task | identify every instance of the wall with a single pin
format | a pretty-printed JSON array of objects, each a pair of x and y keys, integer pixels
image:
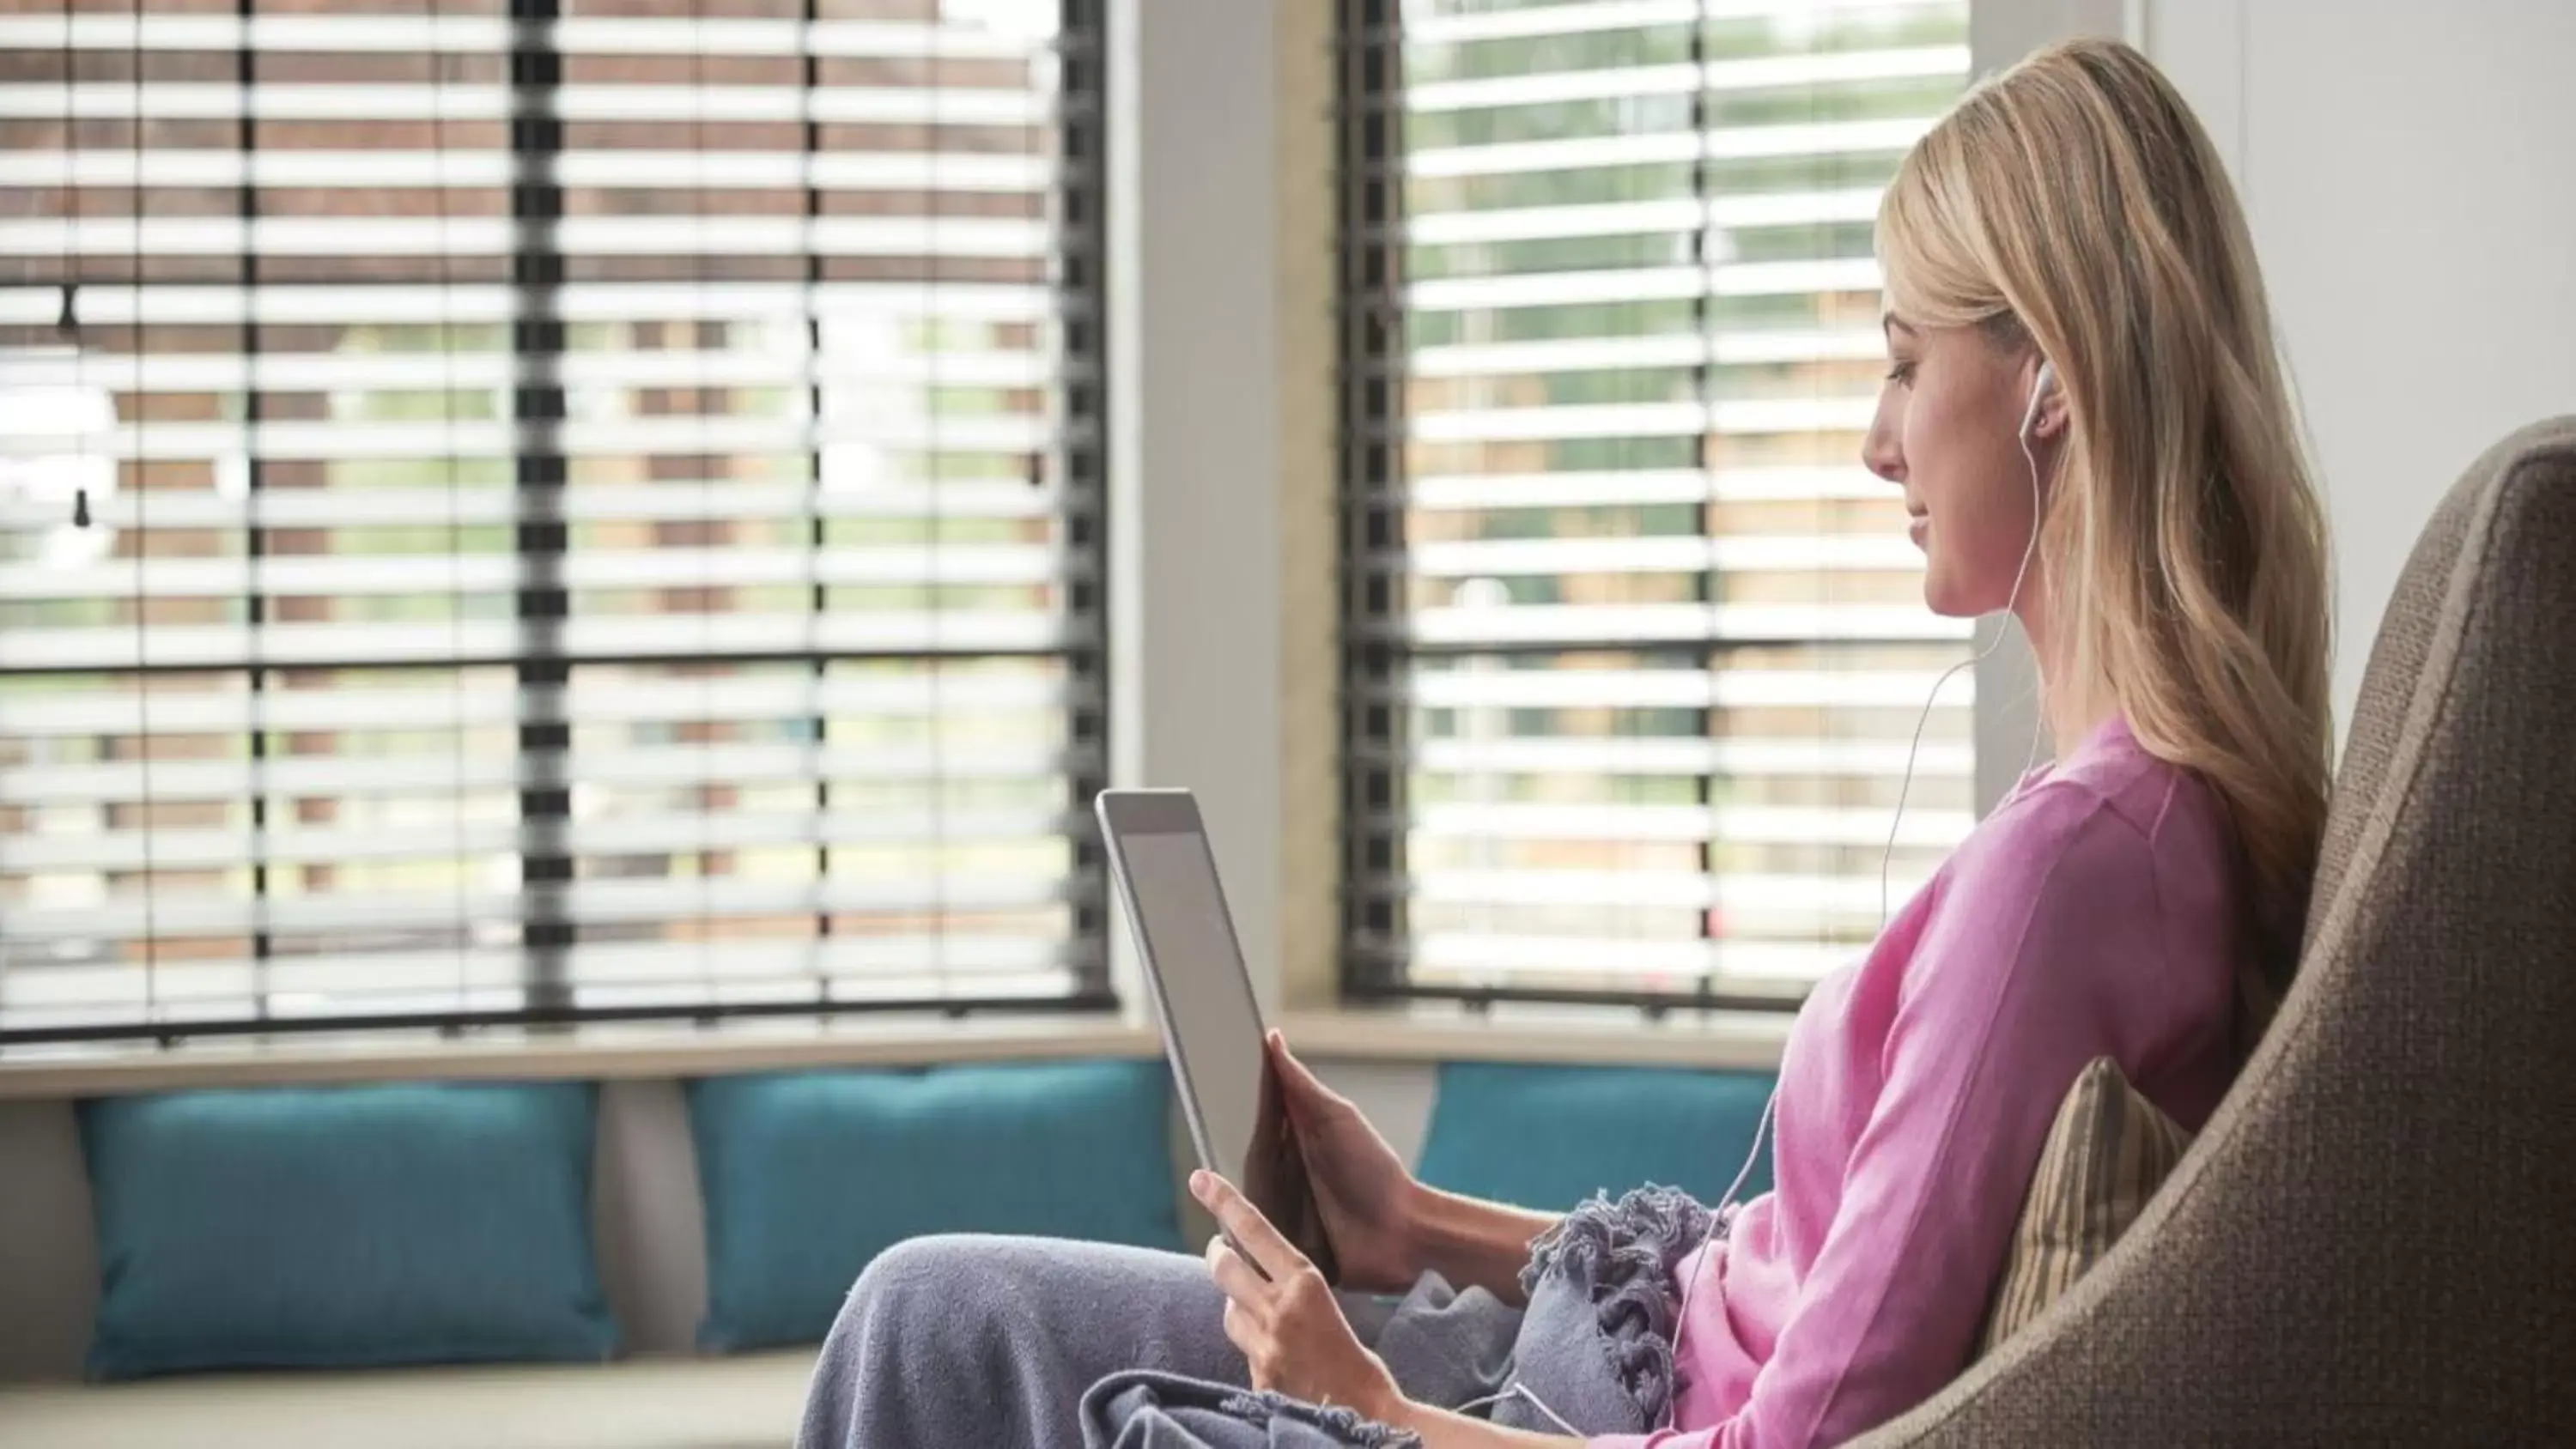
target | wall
[{"x": 2410, "y": 175}]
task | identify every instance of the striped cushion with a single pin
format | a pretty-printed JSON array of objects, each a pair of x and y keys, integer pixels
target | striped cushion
[{"x": 2107, "y": 1153}]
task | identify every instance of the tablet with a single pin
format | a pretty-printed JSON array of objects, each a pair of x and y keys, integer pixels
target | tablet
[{"x": 1212, "y": 1030}]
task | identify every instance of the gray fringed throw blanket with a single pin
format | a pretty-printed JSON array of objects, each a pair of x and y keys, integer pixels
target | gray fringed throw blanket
[{"x": 1594, "y": 1346}]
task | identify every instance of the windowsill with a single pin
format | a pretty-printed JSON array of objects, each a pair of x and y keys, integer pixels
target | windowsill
[
  {"x": 1572, "y": 1036},
  {"x": 591, "y": 1053},
  {"x": 1424, "y": 1034}
]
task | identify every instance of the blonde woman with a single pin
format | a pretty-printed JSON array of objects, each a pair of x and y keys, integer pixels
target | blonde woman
[{"x": 2085, "y": 417}]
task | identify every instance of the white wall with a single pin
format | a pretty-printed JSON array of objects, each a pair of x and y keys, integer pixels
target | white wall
[{"x": 2410, "y": 174}]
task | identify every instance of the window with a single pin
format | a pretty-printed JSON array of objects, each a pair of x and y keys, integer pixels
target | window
[
  {"x": 591, "y": 510},
  {"x": 1634, "y": 647}
]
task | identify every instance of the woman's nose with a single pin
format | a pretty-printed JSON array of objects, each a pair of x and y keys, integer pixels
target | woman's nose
[{"x": 1879, "y": 451}]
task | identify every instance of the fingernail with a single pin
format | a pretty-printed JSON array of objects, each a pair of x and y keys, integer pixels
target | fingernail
[{"x": 1198, "y": 1183}]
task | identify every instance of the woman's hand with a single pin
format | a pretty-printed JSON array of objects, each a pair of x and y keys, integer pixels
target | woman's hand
[
  {"x": 1287, "y": 1324},
  {"x": 1361, "y": 1187}
]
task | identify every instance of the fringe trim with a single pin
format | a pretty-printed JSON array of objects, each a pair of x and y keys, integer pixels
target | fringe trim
[
  {"x": 1347, "y": 1426},
  {"x": 1622, "y": 1256}
]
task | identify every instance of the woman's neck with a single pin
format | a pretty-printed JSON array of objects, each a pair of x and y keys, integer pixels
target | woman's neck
[{"x": 2072, "y": 709}]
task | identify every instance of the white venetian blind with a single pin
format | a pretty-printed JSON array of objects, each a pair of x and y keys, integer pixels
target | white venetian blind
[
  {"x": 592, "y": 508},
  {"x": 1635, "y": 645}
]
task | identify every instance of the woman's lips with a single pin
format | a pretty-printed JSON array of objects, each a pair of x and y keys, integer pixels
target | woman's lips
[{"x": 1917, "y": 526}]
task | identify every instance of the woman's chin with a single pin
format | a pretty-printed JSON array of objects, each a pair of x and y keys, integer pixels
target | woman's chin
[
  {"x": 1953, "y": 602},
  {"x": 1949, "y": 603}
]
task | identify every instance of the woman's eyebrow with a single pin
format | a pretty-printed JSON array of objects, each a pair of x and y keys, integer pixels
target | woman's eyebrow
[{"x": 1890, "y": 322}]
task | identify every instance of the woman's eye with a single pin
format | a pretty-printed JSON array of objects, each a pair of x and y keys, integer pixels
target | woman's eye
[{"x": 1902, "y": 374}]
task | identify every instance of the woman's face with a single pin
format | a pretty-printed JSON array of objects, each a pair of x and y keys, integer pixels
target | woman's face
[{"x": 1948, "y": 433}]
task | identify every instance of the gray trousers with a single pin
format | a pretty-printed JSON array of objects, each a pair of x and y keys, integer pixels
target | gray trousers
[{"x": 990, "y": 1341}]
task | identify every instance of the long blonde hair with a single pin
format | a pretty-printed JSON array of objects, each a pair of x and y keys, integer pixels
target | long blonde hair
[{"x": 2073, "y": 204}]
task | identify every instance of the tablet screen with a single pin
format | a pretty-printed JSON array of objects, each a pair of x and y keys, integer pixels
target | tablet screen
[
  {"x": 1211, "y": 1017},
  {"x": 1211, "y": 1024}
]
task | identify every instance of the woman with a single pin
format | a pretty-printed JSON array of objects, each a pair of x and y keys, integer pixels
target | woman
[{"x": 2085, "y": 415}]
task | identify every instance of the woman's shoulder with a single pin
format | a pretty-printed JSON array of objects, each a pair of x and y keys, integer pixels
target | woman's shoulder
[
  {"x": 2107, "y": 809},
  {"x": 2111, "y": 783}
]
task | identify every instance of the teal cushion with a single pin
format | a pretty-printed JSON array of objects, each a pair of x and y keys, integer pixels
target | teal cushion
[
  {"x": 1548, "y": 1137},
  {"x": 341, "y": 1226},
  {"x": 807, "y": 1176}
]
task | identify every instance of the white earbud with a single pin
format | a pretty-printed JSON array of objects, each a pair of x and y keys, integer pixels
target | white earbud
[{"x": 2038, "y": 390}]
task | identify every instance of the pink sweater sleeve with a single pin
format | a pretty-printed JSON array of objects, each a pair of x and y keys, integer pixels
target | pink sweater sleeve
[{"x": 2006, "y": 994}]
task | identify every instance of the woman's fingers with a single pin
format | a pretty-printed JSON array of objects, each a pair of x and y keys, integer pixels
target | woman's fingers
[
  {"x": 1247, "y": 1309},
  {"x": 1243, "y": 1330},
  {"x": 1234, "y": 1275},
  {"x": 1299, "y": 1077},
  {"x": 1273, "y": 1254}
]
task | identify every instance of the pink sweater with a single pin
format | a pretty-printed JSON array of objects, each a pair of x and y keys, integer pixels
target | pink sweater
[{"x": 2089, "y": 915}]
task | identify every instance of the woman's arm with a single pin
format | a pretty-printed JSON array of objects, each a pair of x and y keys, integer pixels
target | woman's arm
[
  {"x": 2009, "y": 990},
  {"x": 1472, "y": 1243},
  {"x": 1441, "y": 1429},
  {"x": 1295, "y": 1340}
]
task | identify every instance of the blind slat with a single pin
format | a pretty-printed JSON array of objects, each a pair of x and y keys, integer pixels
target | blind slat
[
  {"x": 463, "y": 101},
  {"x": 400, "y": 34},
  {"x": 605, "y": 503},
  {"x": 1643, "y": 755},
  {"x": 188, "y": 850},
  {"x": 614, "y": 437},
  {"x": 790, "y": 364},
  {"x": 1672, "y": 688},
  {"x": 1592, "y": 17},
  {"x": 1602, "y": 625},
  {"x": 1673, "y": 216},
  {"x": 350, "y": 776},
  {"x": 1632, "y": 555},
  {"x": 926, "y": 232},
  {"x": 1818, "y": 139},
  {"x": 600, "y": 902},
  {"x": 887, "y": 631},
  {"x": 1636, "y": 420},
  {"x": 1633, "y": 82},
  {"x": 1607, "y": 354},
  {"x": 1456, "y": 492},
  {"x": 1683, "y": 823},
  {"x": 360, "y": 576},
  {"x": 1645, "y": 284},
  {"x": 963, "y": 696},
  {"x": 315, "y": 984},
  {"x": 716, "y": 171},
  {"x": 117, "y": 305}
]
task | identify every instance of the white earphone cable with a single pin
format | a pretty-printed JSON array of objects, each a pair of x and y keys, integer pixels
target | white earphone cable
[{"x": 1721, "y": 1217}]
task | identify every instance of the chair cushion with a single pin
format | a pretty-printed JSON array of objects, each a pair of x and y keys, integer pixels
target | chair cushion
[
  {"x": 2107, "y": 1153},
  {"x": 343, "y": 1226},
  {"x": 1548, "y": 1137},
  {"x": 808, "y": 1176},
  {"x": 750, "y": 1401}
]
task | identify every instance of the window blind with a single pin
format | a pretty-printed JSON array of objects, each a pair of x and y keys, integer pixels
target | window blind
[
  {"x": 541, "y": 509},
  {"x": 1634, "y": 647}
]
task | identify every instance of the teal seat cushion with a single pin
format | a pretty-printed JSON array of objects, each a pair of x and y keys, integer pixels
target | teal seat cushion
[
  {"x": 809, "y": 1175},
  {"x": 344, "y": 1226},
  {"x": 1548, "y": 1137}
]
